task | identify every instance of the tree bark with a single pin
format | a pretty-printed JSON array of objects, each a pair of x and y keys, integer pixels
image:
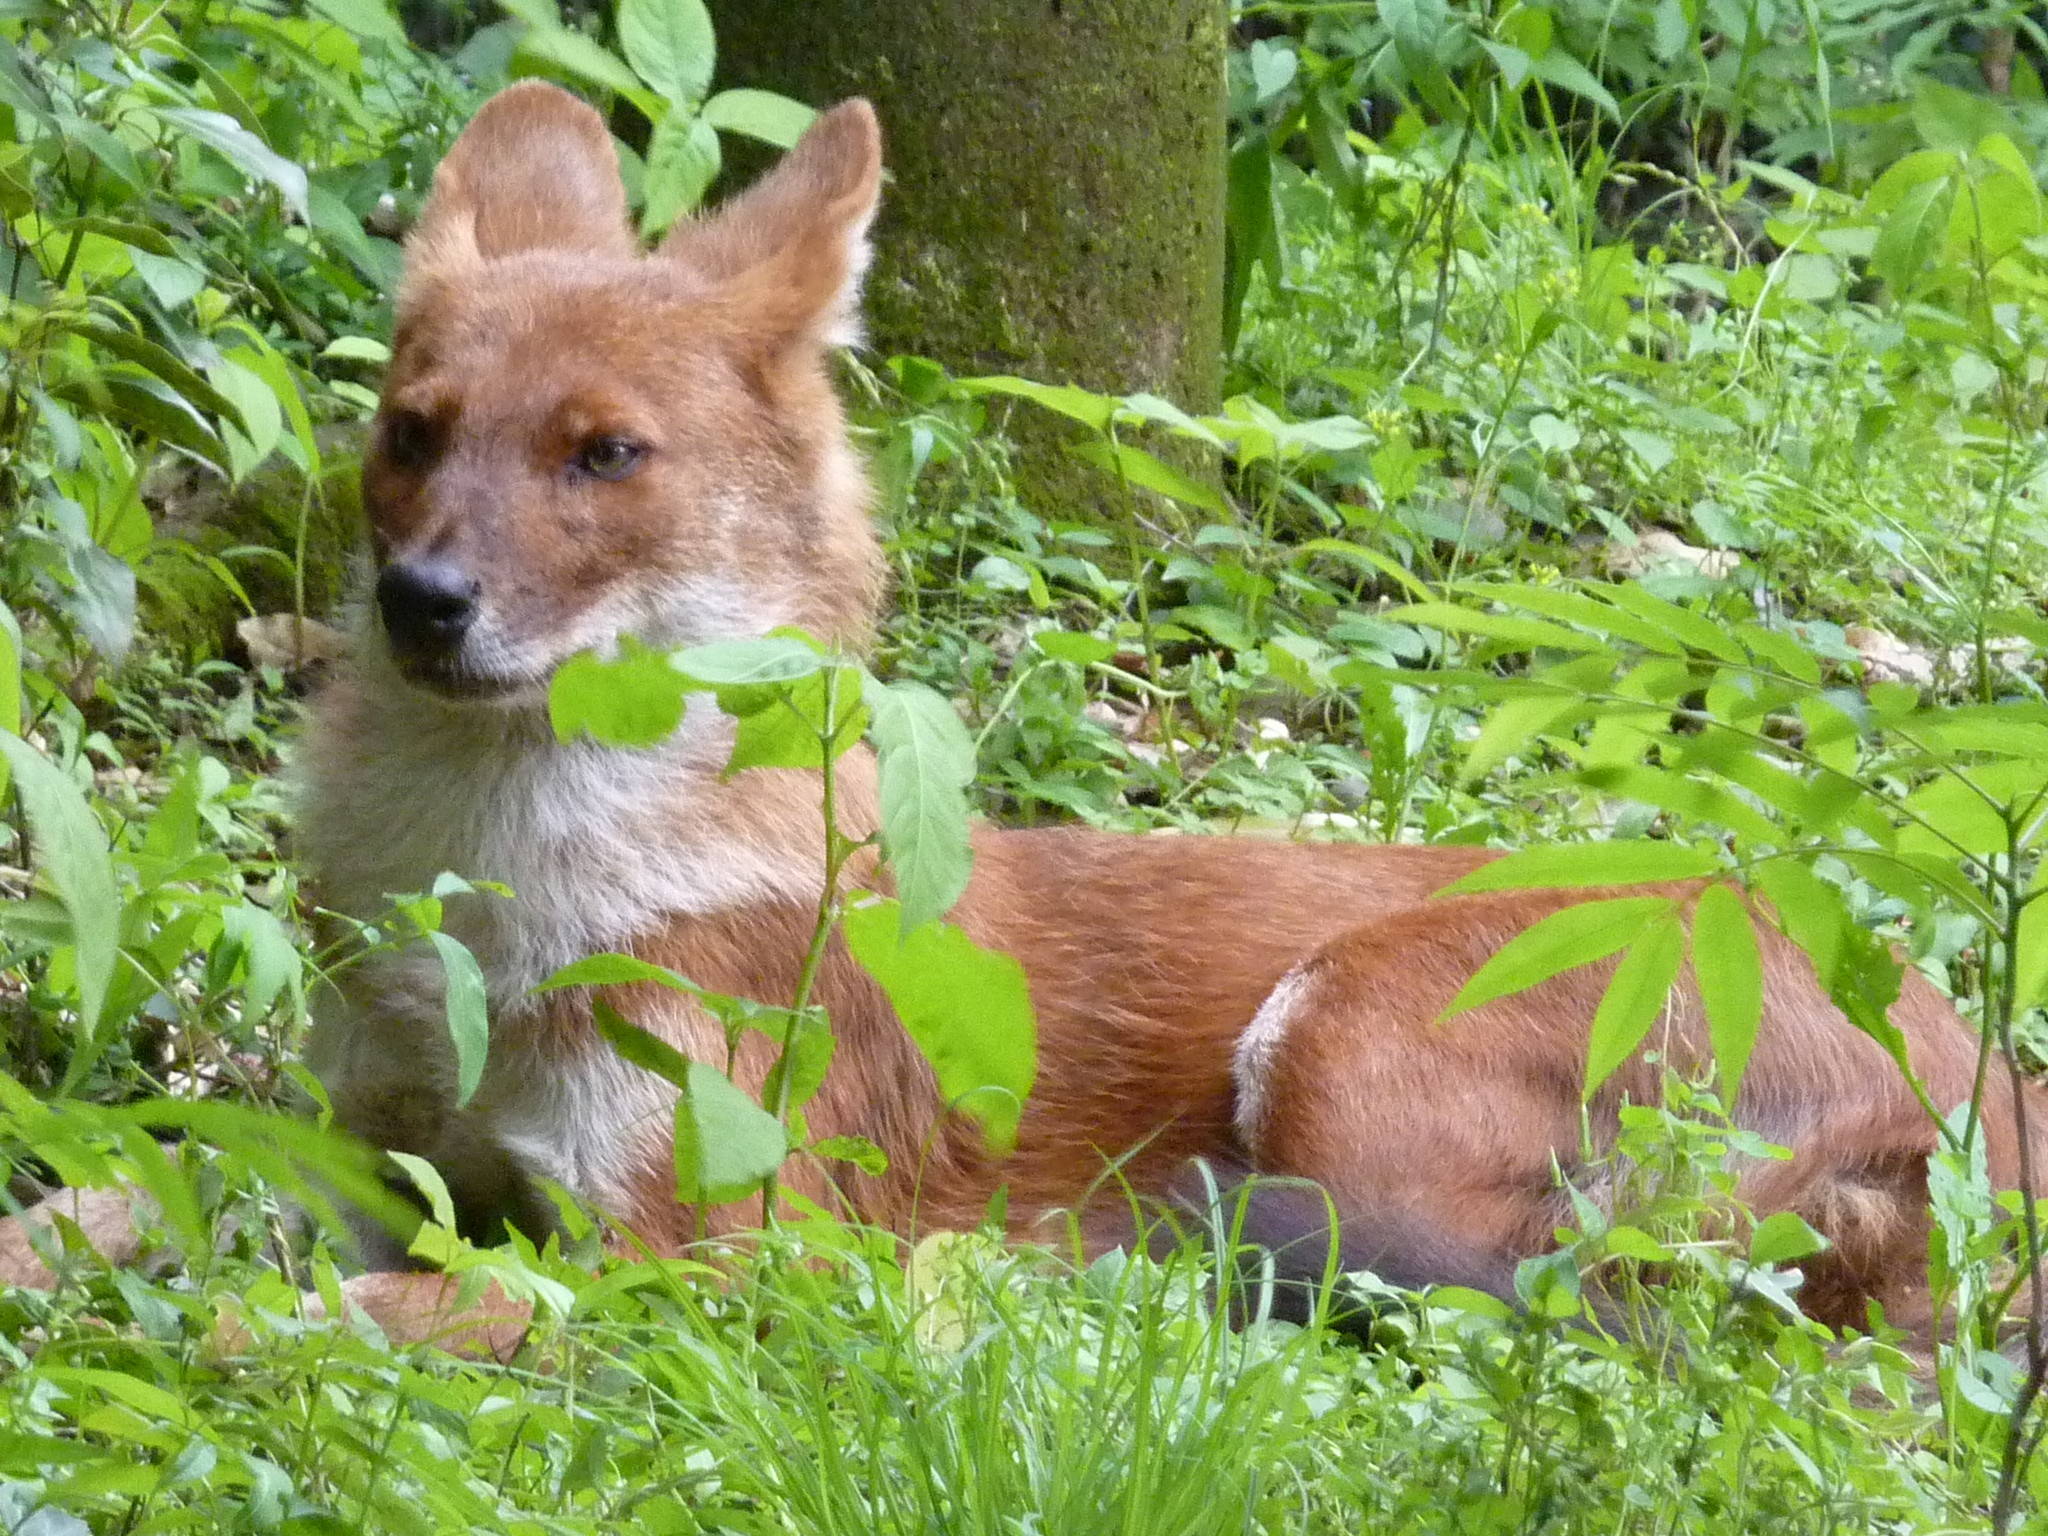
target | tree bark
[{"x": 1056, "y": 203}]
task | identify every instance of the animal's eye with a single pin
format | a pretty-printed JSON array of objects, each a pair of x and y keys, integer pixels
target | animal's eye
[
  {"x": 410, "y": 439},
  {"x": 609, "y": 458}
]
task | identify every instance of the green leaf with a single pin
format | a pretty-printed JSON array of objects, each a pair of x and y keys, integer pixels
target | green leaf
[
  {"x": 1142, "y": 469},
  {"x": 670, "y": 45},
  {"x": 682, "y": 160},
  {"x": 647, "y": 1051},
  {"x": 633, "y": 700},
  {"x": 370, "y": 20},
  {"x": 581, "y": 58},
  {"x": 1782, "y": 1236},
  {"x": 857, "y": 1150},
  {"x": 795, "y": 725},
  {"x": 469, "y": 1015},
  {"x": 1627, "y": 1242},
  {"x": 166, "y": 365},
  {"x": 1524, "y": 634},
  {"x": 926, "y": 761},
  {"x": 1911, "y": 235},
  {"x": 1634, "y": 999},
  {"x": 799, "y": 1072},
  {"x": 765, "y": 115},
  {"x": 1084, "y": 406},
  {"x": 613, "y": 970},
  {"x": 1561, "y": 69},
  {"x": 10, "y": 680},
  {"x": 1627, "y": 861},
  {"x": 426, "y": 1178},
  {"x": 1561, "y": 941},
  {"x": 967, "y": 1008},
  {"x": 1066, "y": 645},
  {"x": 1729, "y": 968},
  {"x": 726, "y": 1144},
  {"x": 72, "y": 856},
  {"x": 243, "y": 150},
  {"x": 727, "y": 663}
]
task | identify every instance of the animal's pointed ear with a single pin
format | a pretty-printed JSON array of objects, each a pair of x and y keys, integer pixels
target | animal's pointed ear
[
  {"x": 533, "y": 170},
  {"x": 789, "y": 252}
]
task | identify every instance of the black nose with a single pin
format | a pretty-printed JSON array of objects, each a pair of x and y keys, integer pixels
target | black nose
[{"x": 428, "y": 604}]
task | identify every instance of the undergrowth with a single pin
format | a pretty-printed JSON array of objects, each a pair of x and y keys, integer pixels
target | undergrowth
[{"x": 1634, "y": 422}]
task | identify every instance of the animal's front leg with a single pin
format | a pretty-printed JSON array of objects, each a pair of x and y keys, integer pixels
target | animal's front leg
[{"x": 390, "y": 1075}]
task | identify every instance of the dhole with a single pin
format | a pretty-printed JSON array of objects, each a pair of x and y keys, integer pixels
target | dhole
[{"x": 578, "y": 441}]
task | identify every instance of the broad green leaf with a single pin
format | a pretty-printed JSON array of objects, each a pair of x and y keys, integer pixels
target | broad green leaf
[
  {"x": 1688, "y": 628},
  {"x": 726, "y": 663},
  {"x": 682, "y": 160},
  {"x": 765, "y": 115},
  {"x": 1911, "y": 235},
  {"x": 362, "y": 349},
  {"x": 469, "y": 1016},
  {"x": 1580, "y": 865},
  {"x": 1583, "y": 609},
  {"x": 1066, "y": 645},
  {"x": 1558, "y": 942},
  {"x": 72, "y": 856},
  {"x": 1695, "y": 800},
  {"x": 1634, "y": 999},
  {"x": 669, "y": 43},
  {"x": 1729, "y": 969},
  {"x": 926, "y": 761},
  {"x": 243, "y": 150},
  {"x": 795, "y": 725},
  {"x": 270, "y": 960},
  {"x": 799, "y": 1072},
  {"x": 256, "y": 409},
  {"x": 633, "y": 700},
  {"x": 727, "y": 1146},
  {"x": 1628, "y": 1242},
  {"x": 967, "y": 1008},
  {"x": 1782, "y": 1236},
  {"x": 1420, "y": 28}
]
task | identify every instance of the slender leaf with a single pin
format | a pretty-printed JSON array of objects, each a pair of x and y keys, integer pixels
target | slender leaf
[
  {"x": 1558, "y": 942},
  {"x": 469, "y": 1017},
  {"x": 1728, "y": 967},
  {"x": 1634, "y": 999}
]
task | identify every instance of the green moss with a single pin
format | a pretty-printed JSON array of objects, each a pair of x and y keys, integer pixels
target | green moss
[{"x": 1056, "y": 207}]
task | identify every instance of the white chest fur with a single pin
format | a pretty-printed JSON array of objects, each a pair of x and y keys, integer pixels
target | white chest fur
[{"x": 598, "y": 847}]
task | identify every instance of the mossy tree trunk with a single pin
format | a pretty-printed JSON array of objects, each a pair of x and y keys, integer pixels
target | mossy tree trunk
[{"x": 1056, "y": 207}]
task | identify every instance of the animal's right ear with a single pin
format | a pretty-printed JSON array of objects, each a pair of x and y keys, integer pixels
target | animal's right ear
[
  {"x": 789, "y": 252},
  {"x": 533, "y": 170}
]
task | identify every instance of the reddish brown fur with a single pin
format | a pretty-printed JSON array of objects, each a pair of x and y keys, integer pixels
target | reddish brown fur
[{"x": 528, "y": 325}]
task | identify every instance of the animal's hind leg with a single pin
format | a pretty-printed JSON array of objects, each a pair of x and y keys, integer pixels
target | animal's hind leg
[{"x": 1437, "y": 1161}]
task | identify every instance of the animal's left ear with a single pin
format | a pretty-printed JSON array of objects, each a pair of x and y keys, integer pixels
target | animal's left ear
[{"x": 789, "y": 252}]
